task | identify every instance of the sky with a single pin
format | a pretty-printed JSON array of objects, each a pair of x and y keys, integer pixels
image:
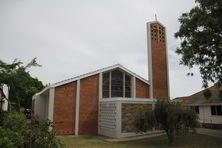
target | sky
[{"x": 73, "y": 37}]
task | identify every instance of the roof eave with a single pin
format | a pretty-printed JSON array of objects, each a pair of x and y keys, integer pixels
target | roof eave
[
  {"x": 97, "y": 72},
  {"x": 41, "y": 92}
]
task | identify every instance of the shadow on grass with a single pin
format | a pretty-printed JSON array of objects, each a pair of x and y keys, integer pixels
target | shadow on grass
[{"x": 184, "y": 141}]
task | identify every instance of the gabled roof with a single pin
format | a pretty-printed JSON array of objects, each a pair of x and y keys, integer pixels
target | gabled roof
[
  {"x": 199, "y": 98},
  {"x": 94, "y": 73}
]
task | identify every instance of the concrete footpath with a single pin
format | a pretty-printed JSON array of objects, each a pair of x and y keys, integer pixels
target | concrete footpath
[{"x": 210, "y": 132}]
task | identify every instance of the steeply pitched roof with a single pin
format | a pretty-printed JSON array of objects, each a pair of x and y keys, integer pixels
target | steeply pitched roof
[
  {"x": 199, "y": 98},
  {"x": 94, "y": 73}
]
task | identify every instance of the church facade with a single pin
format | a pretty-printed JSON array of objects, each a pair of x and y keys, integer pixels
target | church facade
[{"x": 104, "y": 101}]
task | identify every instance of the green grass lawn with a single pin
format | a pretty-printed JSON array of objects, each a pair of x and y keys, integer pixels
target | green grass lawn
[{"x": 186, "y": 141}]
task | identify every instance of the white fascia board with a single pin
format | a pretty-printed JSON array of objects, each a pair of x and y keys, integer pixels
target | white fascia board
[
  {"x": 42, "y": 91},
  {"x": 97, "y": 72},
  {"x": 134, "y": 74}
]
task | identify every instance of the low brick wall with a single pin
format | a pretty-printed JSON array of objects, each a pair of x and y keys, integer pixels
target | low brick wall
[{"x": 129, "y": 113}]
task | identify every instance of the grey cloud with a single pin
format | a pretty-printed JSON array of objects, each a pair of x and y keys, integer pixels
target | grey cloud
[{"x": 72, "y": 37}]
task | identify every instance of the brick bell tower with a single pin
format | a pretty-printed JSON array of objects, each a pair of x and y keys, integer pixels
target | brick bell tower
[{"x": 157, "y": 60}]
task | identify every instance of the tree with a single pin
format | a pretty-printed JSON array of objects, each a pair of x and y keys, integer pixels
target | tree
[
  {"x": 22, "y": 86},
  {"x": 201, "y": 40},
  {"x": 172, "y": 118}
]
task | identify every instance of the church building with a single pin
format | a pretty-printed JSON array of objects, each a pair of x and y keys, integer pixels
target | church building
[{"x": 104, "y": 102}]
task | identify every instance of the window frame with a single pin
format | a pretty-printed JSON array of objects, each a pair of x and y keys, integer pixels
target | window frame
[
  {"x": 215, "y": 109},
  {"x": 117, "y": 88},
  {"x": 130, "y": 86},
  {"x": 124, "y": 85},
  {"x": 197, "y": 109},
  {"x": 106, "y": 85}
]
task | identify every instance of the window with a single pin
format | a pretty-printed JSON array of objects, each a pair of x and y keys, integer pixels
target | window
[
  {"x": 216, "y": 110},
  {"x": 213, "y": 110},
  {"x": 106, "y": 78},
  {"x": 127, "y": 86},
  {"x": 196, "y": 108},
  {"x": 116, "y": 84}
]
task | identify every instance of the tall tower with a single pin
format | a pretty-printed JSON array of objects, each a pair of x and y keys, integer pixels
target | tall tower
[{"x": 157, "y": 60}]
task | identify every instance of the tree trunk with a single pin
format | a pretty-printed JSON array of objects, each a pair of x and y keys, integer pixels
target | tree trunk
[{"x": 170, "y": 135}]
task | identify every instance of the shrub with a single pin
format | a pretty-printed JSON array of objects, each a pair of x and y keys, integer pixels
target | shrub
[
  {"x": 10, "y": 139},
  {"x": 145, "y": 120},
  {"x": 172, "y": 117},
  {"x": 13, "y": 129},
  {"x": 3, "y": 114},
  {"x": 15, "y": 121},
  {"x": 17, "y": 132},
  {"x": 40, "y": 135}
]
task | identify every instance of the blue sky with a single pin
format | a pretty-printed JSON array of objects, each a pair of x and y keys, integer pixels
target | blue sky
[{"x": 72, "y": 37}]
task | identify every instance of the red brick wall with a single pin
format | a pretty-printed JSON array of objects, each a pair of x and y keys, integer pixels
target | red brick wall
[
  {"x": 142, "y": 89},
  {"x": 159, "y": 65},
  {"x": 64, "y": 109},
  {"x": 89, "y": 97}
]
